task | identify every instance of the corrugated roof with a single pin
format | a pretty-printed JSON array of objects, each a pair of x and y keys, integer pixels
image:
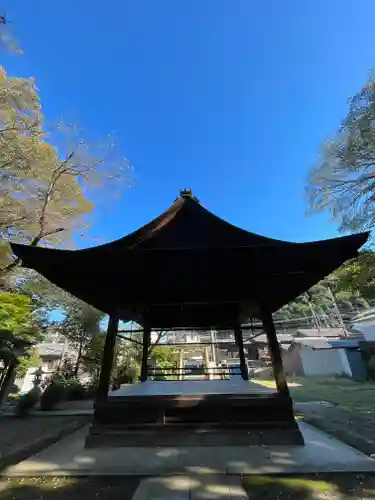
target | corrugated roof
[
  {"x": 324, "y": 343},
  {"x": 322, "y": 332},
  {"x": 50, "y": 349},
  {"x": 281, "y": 337}
]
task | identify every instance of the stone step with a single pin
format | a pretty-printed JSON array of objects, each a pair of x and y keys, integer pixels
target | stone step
[
  {"x": 106, "y": 437},
  {"x": 177, "y": 426}
]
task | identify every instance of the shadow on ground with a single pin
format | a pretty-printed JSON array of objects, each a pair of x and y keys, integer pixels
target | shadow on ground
[
  {"x": 68, "y": 488},
  {"x": 337, "y": 486},
  {"x": 328, "y": 486}
]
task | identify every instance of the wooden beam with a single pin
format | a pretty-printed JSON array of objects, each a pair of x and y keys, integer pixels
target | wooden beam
[
  {"x": 107, "y": 359},
  {"x": 145, "y": 352},
  {"x": 275, "y": 353},
  {"x": 239, "y": 342}
]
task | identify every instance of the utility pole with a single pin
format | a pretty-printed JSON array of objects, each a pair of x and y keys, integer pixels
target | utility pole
[
  {"x": 213, "y": 351},
  {"x": 314, "y": 318},
  {"x": 337, "y": 311}
]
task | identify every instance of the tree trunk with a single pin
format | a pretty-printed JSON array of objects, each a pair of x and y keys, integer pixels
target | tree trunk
[
  {"x": 7, "y": 382},
  {"x": 78, "y": 360}
]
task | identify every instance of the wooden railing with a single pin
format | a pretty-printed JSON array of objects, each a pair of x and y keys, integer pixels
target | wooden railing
[{"x": 176, "y": 373}]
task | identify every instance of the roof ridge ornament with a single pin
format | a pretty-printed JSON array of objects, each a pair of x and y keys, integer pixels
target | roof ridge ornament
[{"x": 188, "y": 193}]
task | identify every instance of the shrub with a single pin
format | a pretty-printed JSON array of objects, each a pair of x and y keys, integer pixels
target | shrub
[
  {"x": 91, "y": 389},
  {"x": 128, "y": 375},
  {"x": 53, "y": 394},
  {"x": 26, "y": 402},
  {"x": 75, "y": 391}
]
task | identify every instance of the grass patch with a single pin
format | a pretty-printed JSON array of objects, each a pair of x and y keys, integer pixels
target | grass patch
[
  {"x": 271, "y": 384},
  {"x": 341, "y": 391},
  {"x": 313, "y": 486},
  {"x": 72, "y": 488},
  {"x": 351, "y": 419}
]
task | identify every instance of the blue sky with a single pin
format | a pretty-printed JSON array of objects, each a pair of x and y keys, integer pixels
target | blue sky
[{"x": 228, "y": 97}]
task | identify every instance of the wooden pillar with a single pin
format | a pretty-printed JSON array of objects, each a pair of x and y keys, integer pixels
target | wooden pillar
[
  {"x": 146, "y": 347},
  {"x": 107, "y": 359},
  {"x": 239, "y": 341},
  {"x": 276, "y": 359}
]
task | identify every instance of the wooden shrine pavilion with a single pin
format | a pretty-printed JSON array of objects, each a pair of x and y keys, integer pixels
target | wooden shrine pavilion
[{"x": 190, "y": 269}]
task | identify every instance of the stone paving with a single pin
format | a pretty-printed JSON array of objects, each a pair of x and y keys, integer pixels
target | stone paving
[
  {"x": 321, "y": 453},
  {"x": 191, "y": 488}
]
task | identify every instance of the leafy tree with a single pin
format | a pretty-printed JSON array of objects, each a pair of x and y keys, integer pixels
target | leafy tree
[
  {"x": 343, "y": 180},
  {"x": 45, "y": 191},
  {"x": 15, "y": 312},
  {"x": 16, "y": 316},
  {"x": 80, "y": 326},
  {"x": 129, "y": 352},
  {"x": 31, "y": 360},
  {"x": 164, "y": 358},
  {"x": 351, "y": 286},
  {"x": 12, "y": 349},
  {"x": 358, "y": 276},
  {"x": 45, "y": 296},
  {"x": 19, "y": 332},
  {"x": 92, "y": 358}
]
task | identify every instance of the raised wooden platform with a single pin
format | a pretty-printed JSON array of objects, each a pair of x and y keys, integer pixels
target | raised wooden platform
[
  {"x": 192, "y": 413},
  {"x": 191, "y": 387}
]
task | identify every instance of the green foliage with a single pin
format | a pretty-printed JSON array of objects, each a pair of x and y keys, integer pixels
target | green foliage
[
  {"x": 75, "y": 391},
  {"x": 352, "y": 285},
  {"x": 45, "y": 296},
  {"x": 129, "y": 356},
  {"x": 92, "y": 357},
  {"x": 163, "y": 355},
  {"x": 343, "y": 180},
  {"x": 358, "y": 275},
  {"x": 32, "y": 360},
  {"x": 81, "y": 328},
  {"x": 15, "y": 311},
  {"x": 18, "y": 331},
  {"x": 127, "y": 375},
  {"x": 91, "y": 389},
  {"x": 81, "y": 324},
  {"x": 26, "y": 402},
  {"x": 53, "y": 394},
  {"x": 12, "y": 347},
  {"x": 164, "y": 358}
]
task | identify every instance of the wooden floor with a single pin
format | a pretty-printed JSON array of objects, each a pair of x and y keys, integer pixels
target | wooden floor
[{"x": 191, "y": 388}]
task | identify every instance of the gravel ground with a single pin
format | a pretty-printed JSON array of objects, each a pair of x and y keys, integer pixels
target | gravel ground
[{"x": 20, "y": 437}]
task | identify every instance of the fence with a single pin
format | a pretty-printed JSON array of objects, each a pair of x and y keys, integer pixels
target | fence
[{"x": 177, "y": 373}]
